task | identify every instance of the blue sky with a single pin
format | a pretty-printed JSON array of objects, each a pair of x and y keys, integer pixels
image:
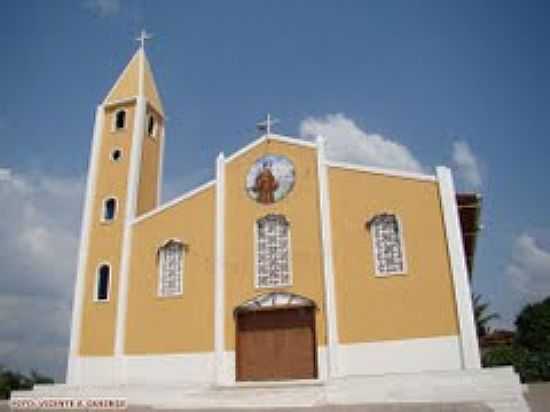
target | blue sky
[{"x": 398, "y": 84}]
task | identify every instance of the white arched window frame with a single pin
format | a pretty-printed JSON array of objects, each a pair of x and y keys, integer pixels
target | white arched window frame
[
  {"x": 104, "y": 216},
  {"x": 116, "y": 114},
  {"x": 98, "y": 279},
  {"x": 272, "y": 252},
  {"x": 388, "y": 246},
  {"x": 171, "y": 264}
]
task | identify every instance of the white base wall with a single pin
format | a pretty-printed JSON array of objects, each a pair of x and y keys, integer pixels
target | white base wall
[
  {"x": 378, "y": 358},
  {"x": 171, "y": 369},
  {"x": 400, "y": 356}
]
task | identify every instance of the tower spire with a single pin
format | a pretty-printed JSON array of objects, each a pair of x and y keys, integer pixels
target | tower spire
[{"x": 137, "y": 79}]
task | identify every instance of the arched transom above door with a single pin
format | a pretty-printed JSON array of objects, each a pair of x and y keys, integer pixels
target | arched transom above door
[{"x": 274, "y": 300}]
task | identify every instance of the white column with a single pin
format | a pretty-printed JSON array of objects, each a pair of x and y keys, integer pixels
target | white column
[
  {"x": 162, "y": 136},
  {"x": 219, "y": 276},
  {"x": 328, "y": 264},
  {"x": 468, "y": 336},
  {"x": 129, "y": 216},
  {"x": 73, "y": 372}
]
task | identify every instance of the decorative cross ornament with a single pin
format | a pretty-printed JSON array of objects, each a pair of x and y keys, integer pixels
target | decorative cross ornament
[
  {"x": 143, "y": 37},
  {"x": 265, "y": 126}
]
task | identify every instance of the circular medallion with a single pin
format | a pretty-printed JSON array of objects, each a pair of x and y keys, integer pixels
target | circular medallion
[{"x": 270, "y": 179}]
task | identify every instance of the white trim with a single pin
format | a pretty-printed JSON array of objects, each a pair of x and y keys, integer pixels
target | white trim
[
  {"x": 382, "y": 171},
  {"x": 175, "y": 201},
  {"x": 114, "y": 115},
  {"x": 141, "y": 73},
  {"x": 264, "y": 138},
  {"x": 131, "y": 205},
  {"x": 96, "y": 284},
  {"x": 103, "y": 209},
  {"x": 292, "y": 140},
  {"x": 161, "y": 265},
  {"x": 290, "y": 276},
  {"x": 457, "y": 260},
  {"x": 219, "y": 274},
  {"x": 124, "y": 101},
  {"x": 87, "y": 216},
  {"x": 245, "y": 149},
  {"x": 328, "y": 264},
  {"x": 401, "y": 244},
  {"x": 160, "y": 171}
]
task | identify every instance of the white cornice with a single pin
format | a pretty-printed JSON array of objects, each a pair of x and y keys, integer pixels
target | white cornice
[
  {"x": 382, "y": 171},
  {"x": 175, "y": 201},
  {"x": 272, "y": 137}
]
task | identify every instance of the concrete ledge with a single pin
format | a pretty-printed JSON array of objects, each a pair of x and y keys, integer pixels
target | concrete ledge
[{"x": 496, "y": 388}]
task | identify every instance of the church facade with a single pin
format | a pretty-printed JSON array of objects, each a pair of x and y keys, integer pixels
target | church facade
[{"x": 287, "y": 267}]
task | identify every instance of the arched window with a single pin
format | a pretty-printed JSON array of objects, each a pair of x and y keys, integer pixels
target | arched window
[
  {"x": 151, "y": 126},
  {"x": 109, "y": 209},
  {"x": 120, "y": 119},
  {"x": 103, "y": 282},
  {"x": 171, "y": 256},
  {"x": 273, "y": 266},
  {"x": 387, "y": 239}
]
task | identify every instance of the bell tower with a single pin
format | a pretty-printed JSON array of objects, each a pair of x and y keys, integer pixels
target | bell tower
[{"x": 124, "y": 182}]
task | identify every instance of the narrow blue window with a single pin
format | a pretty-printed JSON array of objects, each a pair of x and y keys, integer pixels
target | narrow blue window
[{"x": 109, "y": 209}]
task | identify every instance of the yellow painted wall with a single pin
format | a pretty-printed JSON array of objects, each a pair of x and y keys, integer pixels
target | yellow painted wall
[
  {"x": 301, "y": 208},
  {"x": 149, "y": 170},
  {"x": 98, "y": 322},
  {"x": 173, "y": 324},
  {"x": 415, "y": 305}
]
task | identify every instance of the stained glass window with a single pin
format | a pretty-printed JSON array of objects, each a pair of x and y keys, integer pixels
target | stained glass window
[
  {"x": 273, "y": 252},
  {"x": 171, "y": 269},
  {"x": 388, "y": 250}
]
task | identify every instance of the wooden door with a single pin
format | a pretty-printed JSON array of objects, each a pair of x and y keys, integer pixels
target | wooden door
[{"x": 276, "y": 344}]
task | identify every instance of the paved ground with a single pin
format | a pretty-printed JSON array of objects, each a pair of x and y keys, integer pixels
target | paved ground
[
  {"x": 4, "y": 407},
  {"x": 538, "y": 397}
]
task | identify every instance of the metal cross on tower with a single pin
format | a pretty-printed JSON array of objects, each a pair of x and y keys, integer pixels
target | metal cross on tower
[
  {"x": 265, "y": 126},
  {"x": 143, "y": 37}
]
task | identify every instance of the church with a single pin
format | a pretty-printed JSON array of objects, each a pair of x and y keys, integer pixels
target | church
[{"x": 287, "y": 280}]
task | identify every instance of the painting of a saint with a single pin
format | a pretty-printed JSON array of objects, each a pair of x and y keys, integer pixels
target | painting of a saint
[{"x": 270, "y": 179}]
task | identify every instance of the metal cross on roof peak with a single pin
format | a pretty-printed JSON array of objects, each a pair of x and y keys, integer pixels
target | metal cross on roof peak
[
  {"x": 143, "y": 37},
  {"x": 265, "y": 126}
]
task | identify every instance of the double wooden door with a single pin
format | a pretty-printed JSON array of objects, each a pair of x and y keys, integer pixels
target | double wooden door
[{"x": 277, "y": 344}]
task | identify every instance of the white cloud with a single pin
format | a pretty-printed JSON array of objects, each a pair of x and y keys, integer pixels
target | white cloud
[
  {"x": 466, "y": 165},
  {"x": 529, "y": 269},
  {"x": 347, "y": 142},
  {"x": 103, "y": 8},
  {"x": 39, "y": 228}
]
